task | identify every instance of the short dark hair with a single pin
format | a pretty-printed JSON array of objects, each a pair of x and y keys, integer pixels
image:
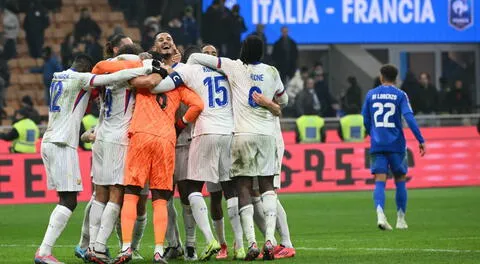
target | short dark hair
[
  {"x": 252, "y": 50},
  {"x": 113, "y": 42},
  {"x": 189, "y": 51},
  {"x": 83, "y": 63},
  {"x": 389, "y": 72},
  {"x": 130, "y": 49},
  {"x": 160, "y": 32}
]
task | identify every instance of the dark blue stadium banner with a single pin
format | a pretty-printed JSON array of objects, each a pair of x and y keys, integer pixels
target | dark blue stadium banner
[{"x": 363, "y": 21}]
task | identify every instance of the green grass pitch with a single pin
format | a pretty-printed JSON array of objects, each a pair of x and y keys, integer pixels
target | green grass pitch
[{"x": 325, "y": 228}]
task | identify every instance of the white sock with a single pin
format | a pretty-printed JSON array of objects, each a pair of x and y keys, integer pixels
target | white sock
[
  {"x": 232, "y": 208},
  {"x": 189, "y": 225},
  {"x": 159, "y": 249},
  {"x": 58, "y": 221},
  {"x": 259, "y": 214},
  {"x": 200, "y": 213},
  {"x": 220, "y": 230},
  {"x": 172, "y": 236},
  {"x": 138, "y": 230},
  {"x": 125, "y": 246},
  {"x": 109, "y": 218},
  {"x": 118, "y": 231},
  {"x": 269, "y": 200},
  {"x": 85, "y": 234},
  {"x": 246, "y": 215},
  {"x": 400, "y": 214},
  {"x": 282, "y": 225},
  {"x": 95, "y": 218}
]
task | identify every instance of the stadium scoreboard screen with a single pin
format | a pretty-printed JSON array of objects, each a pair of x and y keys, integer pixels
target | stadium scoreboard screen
[{"x": 364, "y": 21}]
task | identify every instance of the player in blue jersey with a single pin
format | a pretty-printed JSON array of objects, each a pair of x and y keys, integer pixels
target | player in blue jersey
[{"x": 382, "y": 112}]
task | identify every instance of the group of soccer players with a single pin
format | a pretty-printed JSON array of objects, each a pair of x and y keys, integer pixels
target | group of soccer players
[
  {"x": 208, "y": 120},
  {"x": 163, "y": 124}
]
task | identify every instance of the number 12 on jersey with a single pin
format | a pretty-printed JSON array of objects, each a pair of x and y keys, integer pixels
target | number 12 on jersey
[
  {"x": 216, "y": 88},
  {"x": 383, "y": 122},
  {"x": 56, "y": 89}
]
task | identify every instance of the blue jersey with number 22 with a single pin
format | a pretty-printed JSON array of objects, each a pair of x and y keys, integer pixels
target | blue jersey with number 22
[{"x": 382, "y": 112}]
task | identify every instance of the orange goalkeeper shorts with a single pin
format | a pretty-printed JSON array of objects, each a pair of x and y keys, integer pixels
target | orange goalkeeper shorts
[{"x": 150, "y": 159}]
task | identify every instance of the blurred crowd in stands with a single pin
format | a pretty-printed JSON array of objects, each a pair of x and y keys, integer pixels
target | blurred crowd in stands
[{"x": 223, "y": 27}]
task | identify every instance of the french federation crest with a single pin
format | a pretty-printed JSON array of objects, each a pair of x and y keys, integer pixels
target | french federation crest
[{"x": 460, "y": 13}]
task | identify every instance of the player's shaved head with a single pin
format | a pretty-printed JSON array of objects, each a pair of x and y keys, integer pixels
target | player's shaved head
[
  {"x": 189, "y": 51},
  {"x": 83, "y": 63},
  {"x": 388, "y": 73},
  {"x": 209, "y": 49},
  {"x": 164, "y": 43},
  {"x": 252, "y": 50}
]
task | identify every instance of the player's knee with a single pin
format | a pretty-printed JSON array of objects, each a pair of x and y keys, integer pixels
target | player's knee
[
  {"x": 116, "y": 194},
  {"x": 228, "y": 190},
  {"x": 161, "y": 194},
  {"x": 265, "y": 184},
  {"x": 381, "y": 177},
  {"x": 400, "y": 178},
  {"x": 130, "y": 189},
  {"x": 68, "y": 199},
  {"x": 102, "y": 193}
]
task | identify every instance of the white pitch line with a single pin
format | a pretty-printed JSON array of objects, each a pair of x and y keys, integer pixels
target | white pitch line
[
  {"x": 436, "y": 250},
  {"x": 393, "y": 249}
]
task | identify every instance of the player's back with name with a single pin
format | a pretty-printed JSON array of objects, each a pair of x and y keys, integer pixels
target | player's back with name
[
  {"x": 386, "y": 105},
  {"x": 69, "y": 99},
  {"x": 247, "y": 79},
  {"x": 214, "y": 89}
]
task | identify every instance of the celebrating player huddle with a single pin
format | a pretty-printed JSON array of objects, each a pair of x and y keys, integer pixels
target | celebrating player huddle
[{"x": 225, "y": 116}]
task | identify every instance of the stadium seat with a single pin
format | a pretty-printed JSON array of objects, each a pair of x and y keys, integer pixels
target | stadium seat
[
  {"x": 27, "y": 63},
  {"x": 11, "y": 95},
  {"x": 68, "y": 11},
  {"x": 28, "y": 79},
  {"x": 63, "y": 18},
  {"x": 133, "y": 33},
  {"x": 99, "y": 17},
  {"x": 101, "y": 7},
  {"x": 67, "y": 3},
  {"x": 13, "y": 64},
  {"x": 42, "y": 110},
  {"x": 14, "y": 78},
  {"x": 39, "y": 62},
  {"x": 22, "y": 50},
  {"x": 6, "y": 122},
  {"x": 116, "y": 17},
  {"x": 9, "y": 110}
]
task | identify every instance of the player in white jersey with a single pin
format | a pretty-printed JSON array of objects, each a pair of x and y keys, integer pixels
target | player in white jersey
[
  {"x": 69, "y": 91},
  {"x": 253, "y": 148},
  {"x": 109, "y": 158},
  {"x": 285, "y": 248},
  {"x": 209, "y": 155},
  {"x": 113, "y": 49}
]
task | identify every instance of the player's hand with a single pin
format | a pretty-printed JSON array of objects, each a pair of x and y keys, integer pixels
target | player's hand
[
  {"x": 160, "y": 70},
  {"x": 423, "y": 149},
  {"x": 177, "y": 56},
  {"x": 179, "y": 126},
  {"x": 260, "y": 99},
  {"x": 91, "y": 137},
  {"x": 145, "y": 56}
]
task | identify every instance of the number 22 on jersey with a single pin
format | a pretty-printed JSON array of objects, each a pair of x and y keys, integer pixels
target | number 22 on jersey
[
  {"x": 387, "y": 110},
  {"x": 217, "y": 93},
  {"x": 56, "y": 89}
]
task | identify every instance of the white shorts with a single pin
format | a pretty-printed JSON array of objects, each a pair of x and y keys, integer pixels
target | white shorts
[
  {"x": 181, "y": 161},
  {"x": 62, "y": 166},
  {"x": 254, "y": 155},
  {"x": 108, "y": 163},
  {"x": 209, "y": 158}
]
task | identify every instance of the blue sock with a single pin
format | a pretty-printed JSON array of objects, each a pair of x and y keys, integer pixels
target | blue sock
[
  {"x": 379, "y": 194},
  {"x": 401, "y": 196}
]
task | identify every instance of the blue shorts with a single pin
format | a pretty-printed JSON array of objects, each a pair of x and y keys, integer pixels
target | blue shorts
[{"x": 382, "y": 162}]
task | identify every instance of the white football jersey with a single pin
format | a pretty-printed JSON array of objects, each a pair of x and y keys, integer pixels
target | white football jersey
[
  {"x": 118, "y": 104},
  {"x": 278, "y": 133},
  {"x": 245, "y": 80},
  {"x": 214, "y": 89},
  {"x": 69, "y": 93}
]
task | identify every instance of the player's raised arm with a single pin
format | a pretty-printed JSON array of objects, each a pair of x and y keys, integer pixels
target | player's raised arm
[
  {"x": 120, "y": 76},
  {"x": 216, "y": 63},
  {"x": 109, "y": 66},
  {"x": 412, "y": 123}
]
